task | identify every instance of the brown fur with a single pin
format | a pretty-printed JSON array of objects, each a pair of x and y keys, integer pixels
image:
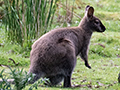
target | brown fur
[{"x": 54, "y": 54}]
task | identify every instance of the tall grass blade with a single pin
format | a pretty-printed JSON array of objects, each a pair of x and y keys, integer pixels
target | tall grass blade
[{"x": 27, "y": 20}]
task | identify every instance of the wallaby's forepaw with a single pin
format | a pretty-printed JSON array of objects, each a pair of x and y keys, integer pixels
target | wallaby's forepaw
[{"x": 87, "y": 65}]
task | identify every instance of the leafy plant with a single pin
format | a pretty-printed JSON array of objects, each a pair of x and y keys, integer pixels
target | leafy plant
[
  {"x": 19, "y": 79},
  {"x": 4, "y": 85}
]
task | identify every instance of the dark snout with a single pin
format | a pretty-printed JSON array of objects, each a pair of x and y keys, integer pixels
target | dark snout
[{"x": 103, "y": 28}]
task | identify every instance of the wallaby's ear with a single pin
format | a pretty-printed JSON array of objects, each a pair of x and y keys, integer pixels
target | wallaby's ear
[
  {"x": 87, "y": 7},
  {"x": 89, "y": 11}
]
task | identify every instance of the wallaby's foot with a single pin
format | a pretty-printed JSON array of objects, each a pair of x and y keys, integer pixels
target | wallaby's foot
[
  {"x": 67, "y": 81},
  {"x": 67, "y": 85},
  {"x": 54, "y": 80},
  {"x": 87, "y": 65}
]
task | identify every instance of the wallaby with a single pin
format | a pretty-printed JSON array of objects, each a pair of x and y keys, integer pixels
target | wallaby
[{"x": 54, "y": 54}]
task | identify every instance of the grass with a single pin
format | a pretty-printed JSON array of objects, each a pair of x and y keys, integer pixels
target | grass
[
  {"x": 103, "y": 75},
  {"x": 25, "y": 20},
  {"x": 104, "y": 53}
]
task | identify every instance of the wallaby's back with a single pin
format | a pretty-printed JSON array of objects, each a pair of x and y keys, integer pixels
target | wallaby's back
[{"x": 52, "y": 47}]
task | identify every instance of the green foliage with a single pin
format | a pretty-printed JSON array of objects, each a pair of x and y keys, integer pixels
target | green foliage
[
  {"x": 20, "y": 80},
  {"x": 27, "y": 20},
  {"x": 4, "y": 85},
  {"x": 1, "y": 9}
]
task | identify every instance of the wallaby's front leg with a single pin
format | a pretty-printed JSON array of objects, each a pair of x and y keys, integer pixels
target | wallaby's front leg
[{"x": 84, "y": 56}]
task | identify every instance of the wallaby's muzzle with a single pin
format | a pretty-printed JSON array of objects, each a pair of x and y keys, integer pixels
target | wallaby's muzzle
[{"x": 103, "y": 28}]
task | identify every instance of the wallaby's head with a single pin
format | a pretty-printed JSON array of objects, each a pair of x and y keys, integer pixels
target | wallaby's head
[{"x": 91, "y": 22}]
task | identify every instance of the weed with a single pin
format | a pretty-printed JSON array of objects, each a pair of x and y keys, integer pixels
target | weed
[{"x": 19, "y": 78}]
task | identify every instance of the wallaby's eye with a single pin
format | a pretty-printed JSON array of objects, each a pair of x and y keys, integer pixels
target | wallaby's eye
[{"x": 96, "y": 21}]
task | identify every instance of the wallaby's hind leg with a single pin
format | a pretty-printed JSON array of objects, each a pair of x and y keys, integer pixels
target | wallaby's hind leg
[
  {"x": 68, "y": 68},
  {"x": 35, "y": 78},
  {"x": 67, "y": 81},
  {"x": 54, "y": 80}
]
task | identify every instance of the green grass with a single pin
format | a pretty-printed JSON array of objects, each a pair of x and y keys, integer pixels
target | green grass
[
  {"x": 104, "y": 71},
  {"x": 105, "y": 45},
  {"x": 104, "y": 53}
]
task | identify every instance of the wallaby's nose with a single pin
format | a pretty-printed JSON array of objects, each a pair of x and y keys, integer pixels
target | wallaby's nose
[{"x": 103, "y": 28}]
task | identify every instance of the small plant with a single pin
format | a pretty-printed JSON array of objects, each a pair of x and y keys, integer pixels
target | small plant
[
  {"x": 4, "y": 85},
  {"x": 19, "y": 78}
]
